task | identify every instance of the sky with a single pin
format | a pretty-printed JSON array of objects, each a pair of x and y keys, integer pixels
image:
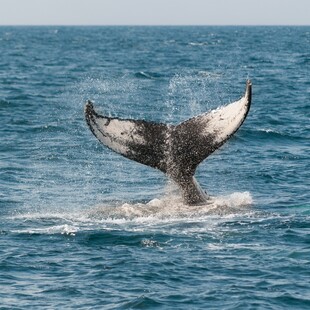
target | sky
[{"x": 154, "y": 12}]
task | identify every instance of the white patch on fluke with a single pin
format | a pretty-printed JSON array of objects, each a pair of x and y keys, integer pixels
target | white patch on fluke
[
  {"x": 116, "y": 134},
  {"x": 224, "y": 121}
]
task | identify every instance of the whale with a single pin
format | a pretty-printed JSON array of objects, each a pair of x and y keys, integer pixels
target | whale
[{"x": 176, "y": 150}]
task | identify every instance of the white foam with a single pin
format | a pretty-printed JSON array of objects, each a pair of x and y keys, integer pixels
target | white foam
[{"x": 57, "y": 229}]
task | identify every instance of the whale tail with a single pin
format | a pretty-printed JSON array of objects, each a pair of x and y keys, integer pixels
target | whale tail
[{"x": 176, "y": 150}]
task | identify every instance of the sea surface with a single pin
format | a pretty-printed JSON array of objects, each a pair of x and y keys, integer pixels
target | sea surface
[{"x": 82, "y": 227}]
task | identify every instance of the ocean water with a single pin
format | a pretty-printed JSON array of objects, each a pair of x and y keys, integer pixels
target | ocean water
[{"x": 85, "y": 228}]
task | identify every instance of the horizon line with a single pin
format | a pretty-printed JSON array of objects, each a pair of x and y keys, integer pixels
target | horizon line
[{"x": 154, "y": 25}]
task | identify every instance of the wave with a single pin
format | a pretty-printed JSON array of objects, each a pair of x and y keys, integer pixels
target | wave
[
  {"x": 272, "y": 134},
  {"x": 148, "y": 75},
  {"x": 198, "y": 43}
]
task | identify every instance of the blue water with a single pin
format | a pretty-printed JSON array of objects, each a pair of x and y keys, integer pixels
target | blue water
[{"x": 84, "y": 228}]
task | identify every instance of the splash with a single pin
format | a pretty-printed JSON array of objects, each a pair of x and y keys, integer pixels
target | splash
[
  {"x": 168, "y": 214},
  {"x": 172, "y": 208}
]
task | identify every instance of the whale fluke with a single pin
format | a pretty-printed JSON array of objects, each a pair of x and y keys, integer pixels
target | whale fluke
[{"x": 176, "y": 150}]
